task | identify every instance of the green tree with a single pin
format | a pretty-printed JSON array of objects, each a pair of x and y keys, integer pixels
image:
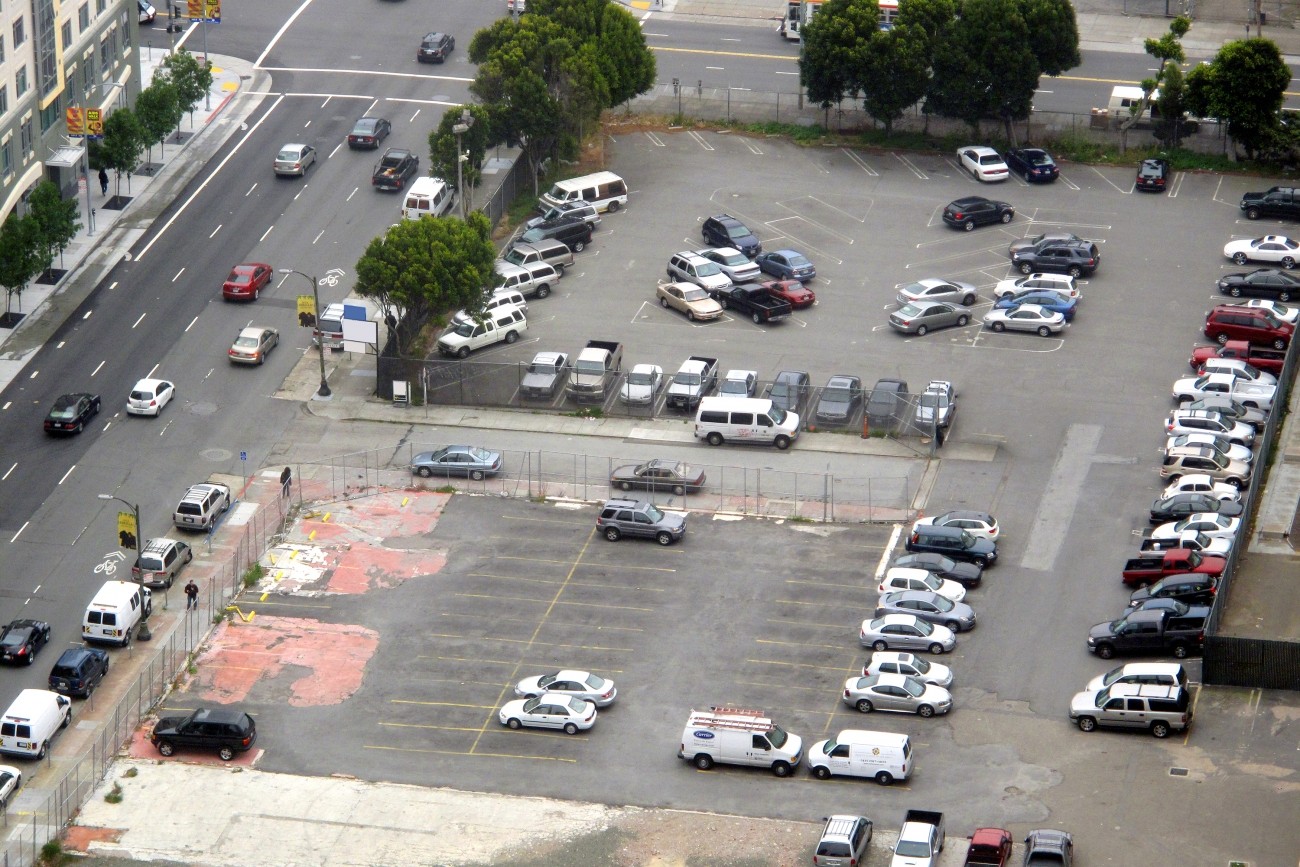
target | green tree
[
  {"x": 1056, "y": 34},
  {"x": 23, "y": 255},
  {"x": 429, "y": 267},
  {"x": 123, "y": 142},
  {"x": 191, "y": 78},
  {"x": 929, "y": 18},
  {"x": 1169, "y": 51},
  {"x": 1243, "y": 85},
  {"x": 833, "y": 58},
  {"x": 442, "y": 146},
  {"x": 896, "y": 73},
  {"x": 984, "y": 67},
  {"x": 158, "y": 108},
  {"x": 56, "y": 218},
  {"x": 1171, "y": 105},
  {"x": 620, "y": 56}
]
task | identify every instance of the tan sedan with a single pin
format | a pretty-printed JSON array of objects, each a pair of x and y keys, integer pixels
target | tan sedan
[{"x": 689, "y": 299}]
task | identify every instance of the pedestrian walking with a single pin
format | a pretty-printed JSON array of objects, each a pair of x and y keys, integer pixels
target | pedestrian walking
[
  {"x": 191, "y": 595},
  {"x": 103, "y": 182}
]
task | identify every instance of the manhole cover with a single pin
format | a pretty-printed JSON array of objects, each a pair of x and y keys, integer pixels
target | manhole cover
[
  {"x": 202, "y": 408},
  {"x": 1178, "y": 772},
  {"x": 215, "y": 455}
]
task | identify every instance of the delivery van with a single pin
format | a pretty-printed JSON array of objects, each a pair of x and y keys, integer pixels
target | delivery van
[
  {"x": 739, "y": 736},
  {"x": 431, "y": 197},
  {"x": 745, "y": 420},
  {"x": 884, "y": 756},
  {"x": 35, "y": 717},
  {"x": 116, "y": 612}
]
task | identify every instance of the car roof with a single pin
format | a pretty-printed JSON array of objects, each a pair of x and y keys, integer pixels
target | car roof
[
  {"x": 898, "y": 595},
  {"x": 969, "y": 513},
  {"x": 842, "y": 379},
  {"x": 982, "y": 150},
  {"x": 148, "y": 383},
  {"x": 219, "y": 714}
]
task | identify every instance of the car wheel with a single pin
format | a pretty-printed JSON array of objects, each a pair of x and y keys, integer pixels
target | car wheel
[
  {"x": 921, "y": 330},
  {"x": 1221, "y": 339},
  {"x": 663, "y": 302},
  {"x": 1236, "y": 483},
  {"x": 1026, "y": 268},
  {"x": 1235, "y": 291},
  {"x": 664, "y": 538},
  {"x": 781, "y": 769},
  {"x": 714, "y": 438},
  {"x": 613, "y": 534},
  {"x": 1239, "y": 258},
  {"x": 1180, "y": 651},
  {"x": 627, "y": 486},
  {"x": 935, "y": 648},
  {"x": 166, "y": 748},
  {"x": 953, "y": 625},
  {"x": 45, "y": 748},
  {"x": 1252, "y": 213},
  {"x": 885, "y": 778},
  {"x": 513, "y": 723},
  {"x": 613, "y": 207},
  {"x": 463, "y": 352},
  {"x": 1075, "y": 271},
  {"x": 543, "y": 291},
  {"x": 782, "y": 442},
  {"x": 690, "y": 314},
  {"x": 822, "y": 773},
  {"x": 962, "y": 320},
  {"x": 226, "y": 754},
  {"x": 758, "y": 320},
  {"x": 570, "y": 729},
  {"x": 679, "y": 490},
  {"x": 425, "y": 472},
  {"x": 578, "y": 246},
  {"x": 863, "y": 706},
  {"x": 257, "y": 293},
  {"x": 1281, "y": 296},
  {"x": 512, "y": 336},
  {"x": 1105, "y": 651},
  {"x": 925, "y": 711},
  {"x": 1087, "y": 724},
  {"x": 704, "y": 761},
  {"x": 967, "y": 300},
  {"x": 1044, "y": 331},
  {"x": 880, "y": 645},
  {"x": 1172, "y": 479},
  {"x": 1288, "y": 263},
  {"x": 80, "y": 427},
  {"x": 998, "y": 326},
  {"x": 1277, "y": 344},
  {"x": 476, "y": 475},
  {"x": 1160, "y": 729},
  {"x": 723, "y": 302},
  {"x": 1006, "y": 218}
]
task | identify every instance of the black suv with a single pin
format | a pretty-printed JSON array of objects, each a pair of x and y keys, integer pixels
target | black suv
[
  {"x": 435, "y": 47},
  {"x": 619, "y": 518},
  {"x": 573, "y": 231},
  {"x": 885, "y": 406},
  {"x": 1068, "y": 257},
  {"x": 725, "y": 230},
  {"x": 79, "y": 670},
  {"x": 953, "y": 542},
  {"x": 975, "y": 211},
  {"x": 1153, "y": 175},
  {"x": 394, "y": 169},
  {"x": 226, "y": 731}
]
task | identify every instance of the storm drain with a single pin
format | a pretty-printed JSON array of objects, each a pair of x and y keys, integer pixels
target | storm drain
[{"x": 1178, "y": 772}]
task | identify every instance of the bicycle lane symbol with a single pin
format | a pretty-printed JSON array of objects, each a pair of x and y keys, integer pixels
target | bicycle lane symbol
[{"x": 109, "y": 566}]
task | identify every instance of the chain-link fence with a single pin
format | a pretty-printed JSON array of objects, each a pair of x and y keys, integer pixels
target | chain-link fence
[{"x": 178, "y": 633}]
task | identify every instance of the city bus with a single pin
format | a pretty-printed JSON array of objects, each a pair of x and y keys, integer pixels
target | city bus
[{"x": 800, "y": 12}]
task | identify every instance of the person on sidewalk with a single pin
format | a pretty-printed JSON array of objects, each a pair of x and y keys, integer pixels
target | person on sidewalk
[
  {"x": 103, "y": 182},
  {"x": 191, "y": 595}
]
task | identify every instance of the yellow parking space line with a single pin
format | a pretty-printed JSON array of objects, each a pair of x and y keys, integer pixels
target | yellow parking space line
[
  {"x": 835, "y": 626},
  {"x": 463, "y": 753},
  {"x": 801, "y": 581},
  {"x": 547, "y": 643},
  {"x": 797, "y": 644},
  {"x": 838, "y": 602},
  {"x": 472, "y": 659},
  {"x": 710, "y": 52},
  {"x": 516, "y": 578},
  {"x": 441, "y": 704},
  {"x": 533, "y": 622},
  {"x": 821, "y": 689},
  {"x": 791, "y": 664},
  {"x": 393, "y": 725},
  {"x": 596, "y": 584},
  {"x": 554, "y": 602},
  {"x": 621, "y": 566},
  {"x": 267, "y": 603},
  {"x": 460, "y": 682},
  {"x": 532, "y": 520}
]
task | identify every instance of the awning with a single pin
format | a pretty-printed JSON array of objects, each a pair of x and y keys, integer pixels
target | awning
[{"x": 67, "y": 157}]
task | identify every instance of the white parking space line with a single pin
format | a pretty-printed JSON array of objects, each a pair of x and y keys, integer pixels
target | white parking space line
[
  {"x": 911, "y": 165},
  {"x": 753, "y": 148},
  {"x": 1112, "y": 183},
  {"x": 1069, "y": 183},
  {"x": 1061, "y": 496},
  {"x": 655, "y": 140},
  {"x": 699, "y": 139},
  {"x": 1176, "y": 185},
  {"x": 861, "y": 163}
]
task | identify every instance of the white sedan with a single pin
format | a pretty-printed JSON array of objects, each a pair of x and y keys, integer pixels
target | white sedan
[
  {"x": 642, "y": 384},
  {"x": 11, "y": 779},
  {"x": 894, "y": 662},
  {"x": 1285, "y": 312},
  {"x": 1270, "y": 248},
  {"x": 598, "y": 690},
  {"x": 1062, "y": 283},
  {"x": 984, "y": 163},
  {"x": 550, "y": 710},
  {"x": 1212, "y": 524},
  {"x": 1238, "y": 369},
  {"x": 1231, "y": 451},
  {"x": 1249, "y": 394},
  {"x": 1200, "y": 483},
  {"x": 1026, "y": 317}
]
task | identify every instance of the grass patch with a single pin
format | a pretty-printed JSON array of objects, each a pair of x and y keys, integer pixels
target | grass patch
[
  {"x": 52, "y": 854},
  {"x": 131, "y": 772},
  {"x": 588, "y": 412},
  {"x": 254, "y": 574},
  {"x": 115, "y": 795},
  {"x": 445, "y": 489}
]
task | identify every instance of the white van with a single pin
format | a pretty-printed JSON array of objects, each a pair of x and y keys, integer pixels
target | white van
[
  {"x": 431, "y": 197},
  {"x": 113, "y": 616},
  {"x": 884, "y": 756},
  {"x": 739, "y": 736},
  {"x": 745, "y": 420},
  {"x": 35, "y": 716},
  {"x": 605, "y": 190},
  {"x": 1125, "y": 98}
]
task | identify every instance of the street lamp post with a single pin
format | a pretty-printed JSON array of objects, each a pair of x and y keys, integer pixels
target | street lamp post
[
  {"x": 324, "y": 391},
  {"x": 466, "y": 121},
  {"x": 138, "y": 530}
]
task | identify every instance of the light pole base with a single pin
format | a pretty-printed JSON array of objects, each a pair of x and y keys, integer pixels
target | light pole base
[{"x": 323, "y": 393}]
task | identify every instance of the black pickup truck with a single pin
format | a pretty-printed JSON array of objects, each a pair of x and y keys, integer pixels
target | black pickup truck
[
  {"x": 761, "y": 305},
  {"x": 1273, "y": 202},
  {"x": 1151, "y": 631}
]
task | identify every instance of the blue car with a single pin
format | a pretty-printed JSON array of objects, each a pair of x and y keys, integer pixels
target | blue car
[
  {"x": 1045, "y": 298},
  {"x": 1033, "y": 164},
  {"x": 787, "y": 265}
]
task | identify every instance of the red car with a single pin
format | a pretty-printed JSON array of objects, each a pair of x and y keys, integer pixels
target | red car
[
  {"x": 1251, "y": 324},
  {"x": 989, "y": 846},
  {"x": 246, "y": 282},
  {"x": 790, "y": 290}
]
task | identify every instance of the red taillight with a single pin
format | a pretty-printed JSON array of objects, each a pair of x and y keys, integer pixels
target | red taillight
[
  {"x": 22, "y": 651},
  {"x": 846, "y": 693},
  {"x": 959, "y": 215}
]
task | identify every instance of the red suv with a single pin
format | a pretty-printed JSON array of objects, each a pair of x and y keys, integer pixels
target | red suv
[{"x": 1254, "y": 324}]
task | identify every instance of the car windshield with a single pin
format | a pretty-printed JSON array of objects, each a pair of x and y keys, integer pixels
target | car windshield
[
  {"x": 640, "y": 378},
  {"x": 914, "y": 289},
  {"x": 246, "y": 341},
  {"x": 595, "y": 681},
  {"x": 365, "y": 126},
  {"x": 14, "y": 638},
  {"x": 654, "y": 513},
  {"x": 943, "y": 603},
  {"x": 696, "y": 293},
  {"x": 967, "y": 540},
  {"x": 798, "y": 261},
  {"x": 1039, "y": 159},
  {"x": 777, "y": 736},
  {"x": 908, "y": 310},
  {"x": 910, "y": 849},
  {"x": 776, "y": 414},
  {"x": 830, "y": 746},
  {"x": 837, "y": 393},
  {"x": 922, "y": 626},
  {"x": 288, "y": 154},
  {"x": 151, "y": 561},
  {"x": 64, "y": 410},
  {"x": 933, "y": 582},
  {"x": 465, "y": 329},
  {"x": 929, "y": 398},
  {"x": 732, "y": 258},
  {"x": 481, "y": 455},
  {"x": 141, "y": 395},
  {"x": 990, "y": 159},
  {"x": 687, "y": 378},
  {"x": 531, "y": 704},
  {"x": 533, "y": 235}
]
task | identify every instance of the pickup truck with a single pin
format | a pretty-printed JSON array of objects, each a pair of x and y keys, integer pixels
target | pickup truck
[
  {"x": 694, "y": 379},
  {"x": 920, "y": 841},
  {"x": 544, "y": 374},
  {"x": 989, "y": 847},
  {"x": 1156, "y": 630},
  {"x": 761, "y": 305},
  {"x": 592, "y": 370},
  {"x": 1150, "y": 568},
  {"x": 1263, "y": 357},
  {"x": 1273, "y": 202},
  {"x": 1192, "y": 540}
]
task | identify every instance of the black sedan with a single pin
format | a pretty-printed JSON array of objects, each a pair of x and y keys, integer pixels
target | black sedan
[
  {"x": 975, "y": 211},
  {"x": 22, "y": 640},
  {"x": 658, "y": 475},
  {"x": 1032, "y": 164},
  {"x": 840, "y": 400},
  {"x": 1180, "y": 506},
  {"x": 71, "y": 412},
  {"x": 1153, "y": 175},
  {"x": 369, "y": 132},
  {"x": 967, "y": 575},
  {"x": 1262, "y": 283}
]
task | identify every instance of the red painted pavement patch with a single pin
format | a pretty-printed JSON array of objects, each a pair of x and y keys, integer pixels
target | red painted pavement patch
[
  {"x": 78, "y": 838},
  {"x": 301, "y": 662},
  {"x": 364, "y": 567}
]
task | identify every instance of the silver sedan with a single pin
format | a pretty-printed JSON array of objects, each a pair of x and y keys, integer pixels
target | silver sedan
[
  {"x": 920, "y": 317},
  {"x": 928, "y": 605},
  {"x": 598, "y": 690},
  {"x": 898, "y": 693},
  {"x": 934, "y": 289},
  {"x": 905, "y": 632},
  {"x": 1026, "y": 317}
]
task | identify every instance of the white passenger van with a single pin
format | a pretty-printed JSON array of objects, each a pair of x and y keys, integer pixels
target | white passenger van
[
  {"x": 605, "y": 190},
  {"x": 739, "y": 736},
  {"x": 114, "y": 615},
  {"x": 885, "y": 756},
  {"x": 428, "y": 196},
  {"x": 1125, "y": 98},
  {"x": 35, "y": 716},
  {"x": 745, "y": 420}
]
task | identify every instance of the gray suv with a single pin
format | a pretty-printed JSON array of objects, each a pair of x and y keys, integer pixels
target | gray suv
[
  {"x": 844, "y": 841},
  {"x": 1158, "y": 709},
  {"x": 619, "y": 518}
]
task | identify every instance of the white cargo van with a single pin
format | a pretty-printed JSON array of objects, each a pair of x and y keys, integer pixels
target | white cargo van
[
  {"x": 1125, "y": 98},
  {"x": 431, "y": 197},
  {"x": 745, "y": 420},
  {"x": 857, "y": 753},
  {"x": 35, "y": 716},
  {"x": 605, "y": 190},
  {"x": 113, "y": 616},
  {"x": 739, "y": 736}
]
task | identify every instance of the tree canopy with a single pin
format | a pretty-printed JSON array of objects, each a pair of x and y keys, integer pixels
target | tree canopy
[
  {"x": 123, "y": 142},
  {"x": 442, "y": 145},
  {"x": 56, "y": 219},
  {"x": 23, "y": 255},
  {"x": 984, "y": 66},
  {"x": 834, "y": 58},
  {"x": 1243, "y": 85},
  {"x": 158, "y": 109},
  {"x": 190, "y": 78}
]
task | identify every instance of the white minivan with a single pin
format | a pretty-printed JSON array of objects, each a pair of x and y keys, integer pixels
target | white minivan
[
  {"x": 35, "y": 717},
  {"x": 884, "y": 756},
  {"x": 431, "y": 197},
  {"x": 604, "y": 190},
  {"x": 115, "y": 613},
  {"x": 745, "y": 420}
]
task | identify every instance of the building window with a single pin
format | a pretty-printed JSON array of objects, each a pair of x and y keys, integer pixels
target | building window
[
  {"x": 4, "y": 98},
  {"x": 88, "y": 72},
  {"x": 7, "y": 158},
  {"x": 50, "y": 115},
  {"x": 45, "y": 31},
  {"x": 83, "y": 17},
  {"x": 100, "y": 6},
  {"x": 2, "y": 48},
  {"x": 20, "y": 32},
  {"x": 104, "y": 58},
  {"x": 25, "y": 132},
  {"x": 20, "y": 80},
  {"x": 67, "y": 34}
]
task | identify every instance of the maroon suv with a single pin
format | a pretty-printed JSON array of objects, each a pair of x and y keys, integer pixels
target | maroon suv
[{"x": 1254, "y": 324}]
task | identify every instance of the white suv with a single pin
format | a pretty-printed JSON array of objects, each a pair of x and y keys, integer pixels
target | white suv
[{"x": 687, "y": 267}]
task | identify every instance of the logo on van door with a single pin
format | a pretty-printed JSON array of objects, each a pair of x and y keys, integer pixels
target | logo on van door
[
  {"x": 875, "y": 751},
  {"x": 704, "y": 736}
]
